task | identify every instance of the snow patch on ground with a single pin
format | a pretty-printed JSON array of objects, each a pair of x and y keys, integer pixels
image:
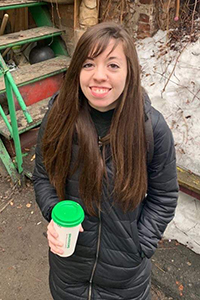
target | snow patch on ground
[
  {"x": 179, "y": 99},
  {"x": 185, "y": 227}
]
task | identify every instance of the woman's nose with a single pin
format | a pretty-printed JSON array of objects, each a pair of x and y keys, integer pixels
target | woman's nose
[{"x": 100, "y": 74}]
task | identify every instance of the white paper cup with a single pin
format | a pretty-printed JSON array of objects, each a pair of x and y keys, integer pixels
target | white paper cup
[{"x": 67, "y": 217}]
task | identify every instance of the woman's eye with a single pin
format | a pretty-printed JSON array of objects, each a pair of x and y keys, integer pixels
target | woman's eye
[
  {"x": 87, "y": 65},
  {"x": 114, "y": 66}
]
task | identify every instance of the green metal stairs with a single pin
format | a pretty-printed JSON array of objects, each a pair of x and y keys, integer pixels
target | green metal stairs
[{"x": 21, "y": 121}]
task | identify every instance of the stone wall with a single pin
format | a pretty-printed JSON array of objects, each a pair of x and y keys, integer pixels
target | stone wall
[{"x": 142, "y": 17}]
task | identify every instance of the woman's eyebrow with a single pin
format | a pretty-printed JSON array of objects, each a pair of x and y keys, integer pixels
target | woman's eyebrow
[
  {"x": 109, "y": 58},
  {"x": 114, "y": 57}
]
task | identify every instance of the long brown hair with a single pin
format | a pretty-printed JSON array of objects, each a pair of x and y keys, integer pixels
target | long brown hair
[{"x": 70, "y": 116}]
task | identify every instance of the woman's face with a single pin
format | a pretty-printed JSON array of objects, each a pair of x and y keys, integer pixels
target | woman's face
[{"x": 102, "y": 79}]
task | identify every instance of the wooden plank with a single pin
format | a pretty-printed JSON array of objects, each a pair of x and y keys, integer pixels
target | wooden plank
[
  {"x": 25, "y": 36},
  {"x": 189, "y": 192},
  {"x": 12, "y": 19},
  {"x": 18, "y": 19},
  {"x": 37, "y": 112},
  {"x": 4, "y": 3},
  {"x": 76, "y": 12},
  {"x": 188, "y": 180},
  {"x": 22, "y": 19},
  {"x": 25, "y": 18},
  {"x": 35, "y": 72}
]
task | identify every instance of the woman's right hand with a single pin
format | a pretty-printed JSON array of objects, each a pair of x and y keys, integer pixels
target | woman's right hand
[{"x": 54, "y": 244}]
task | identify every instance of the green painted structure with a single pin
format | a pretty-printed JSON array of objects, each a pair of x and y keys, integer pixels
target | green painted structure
[{"x": 40, "y": 14}]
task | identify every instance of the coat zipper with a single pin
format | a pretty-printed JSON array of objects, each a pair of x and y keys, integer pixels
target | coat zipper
[
  {"x": 96, "y": 258},
  {"x": 100, "y": 144},
  {"x": 99, "y": 238}
]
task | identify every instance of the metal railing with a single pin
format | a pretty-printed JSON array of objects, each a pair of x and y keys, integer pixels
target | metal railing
[{"x": 11, "y": 88}]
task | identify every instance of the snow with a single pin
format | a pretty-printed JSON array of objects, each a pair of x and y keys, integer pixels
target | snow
[
  {"x": 176, "y": 96},
  {"x": 185, "y": 227}
]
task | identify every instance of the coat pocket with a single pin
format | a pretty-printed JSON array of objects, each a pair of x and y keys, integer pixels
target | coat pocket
[{"x": 135, "y": 237}]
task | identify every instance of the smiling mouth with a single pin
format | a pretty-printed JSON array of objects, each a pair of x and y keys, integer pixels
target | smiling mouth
[{"x": 99, "y": 90}]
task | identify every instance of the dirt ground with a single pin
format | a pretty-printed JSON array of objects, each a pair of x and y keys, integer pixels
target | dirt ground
[
  {"x": 24, "y": 250},
  {"x": 23, "y": 247}
]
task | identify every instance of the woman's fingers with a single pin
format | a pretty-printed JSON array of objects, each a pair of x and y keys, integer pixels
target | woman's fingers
[
  {"x": 53, "y": 239},
  {"x": 81, "y": 229},
  {"x": 55, "y": 249},
  {"x": 52, "y": 236},
  {"x": 51, "y": 230}
]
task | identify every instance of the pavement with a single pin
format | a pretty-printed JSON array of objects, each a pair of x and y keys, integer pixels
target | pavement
[
  {"x": 24, "y": 250},
  {"x": 176, "y": 271},
  {"x": 176, "y": 263}
]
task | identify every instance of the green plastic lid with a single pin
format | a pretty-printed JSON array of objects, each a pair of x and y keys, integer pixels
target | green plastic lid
[{"x": 68, "y": 213}]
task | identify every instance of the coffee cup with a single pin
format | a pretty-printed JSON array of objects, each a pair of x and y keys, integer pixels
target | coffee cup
[{"x": 67, "y": 216}]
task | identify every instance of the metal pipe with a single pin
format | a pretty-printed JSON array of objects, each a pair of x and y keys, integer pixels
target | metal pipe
[
  {"x": 14, "y": 124},
  {"x": 20, "y": 100},
  {"x": 19, "y": 97},
  {"x": 8, "y": 163},
  {"x": 2, "y": 113},
  {"x": 6, "y": 7}
]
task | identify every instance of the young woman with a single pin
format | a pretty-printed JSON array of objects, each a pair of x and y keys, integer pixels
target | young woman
[{"x": 92, "y": 149}]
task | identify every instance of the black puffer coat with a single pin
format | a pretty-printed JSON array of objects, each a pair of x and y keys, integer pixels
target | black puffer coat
[{"x": 111, "y": 260}]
